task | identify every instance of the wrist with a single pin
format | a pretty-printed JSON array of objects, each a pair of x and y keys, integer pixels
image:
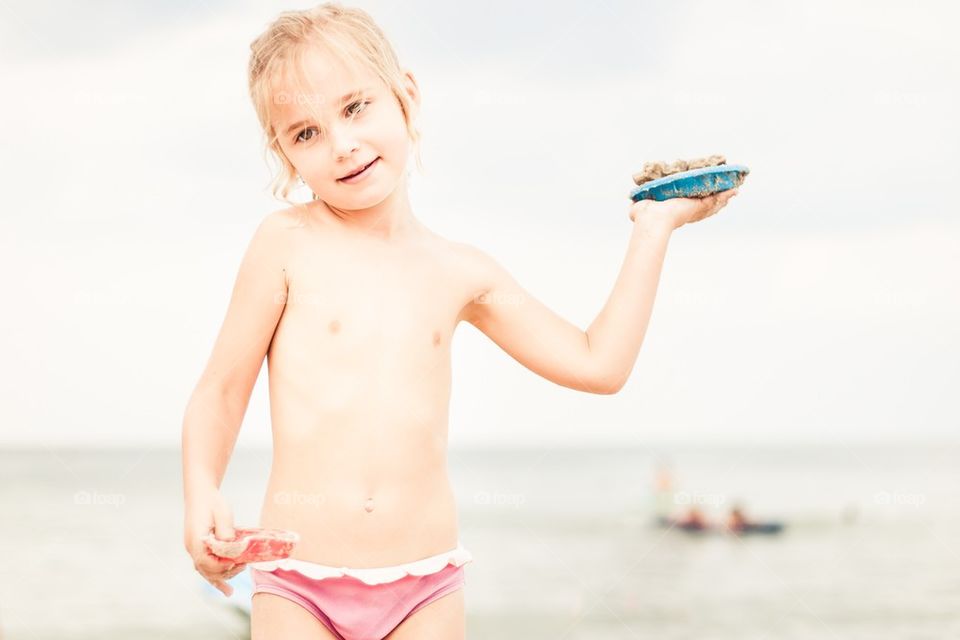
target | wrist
[
  {"x": 200, "y": 492},
  {"x": 653, "y": 222},
  {"x": 652, "y": 214}
]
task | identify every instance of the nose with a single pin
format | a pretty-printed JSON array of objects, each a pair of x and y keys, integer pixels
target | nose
[{"x": 343, "y": 142}]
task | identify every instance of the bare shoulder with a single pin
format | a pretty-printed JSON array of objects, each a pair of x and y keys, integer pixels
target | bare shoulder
[
  {"x": 476, "y": 272},
  {"x": 270, "y": 249},
  {"x": 281, "y": 220},
  {"x": 278, "y": 228},
  {"x": 471, "y": 262},
  {"x": 470, "y": 254}
]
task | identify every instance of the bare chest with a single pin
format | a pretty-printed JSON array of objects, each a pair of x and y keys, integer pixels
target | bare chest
[{"x": 359, "y": 312}]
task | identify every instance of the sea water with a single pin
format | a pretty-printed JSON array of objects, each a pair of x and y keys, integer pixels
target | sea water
[{"x": 563, "y": 541}]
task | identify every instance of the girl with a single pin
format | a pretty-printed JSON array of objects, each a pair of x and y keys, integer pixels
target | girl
[{"x": 354, "y": 304}]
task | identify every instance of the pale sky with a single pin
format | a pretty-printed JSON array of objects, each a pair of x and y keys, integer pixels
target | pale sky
[{"x": 820, "y": 305}]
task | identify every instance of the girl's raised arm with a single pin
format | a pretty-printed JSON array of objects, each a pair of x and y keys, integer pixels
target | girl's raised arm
[
  {"x": 530, "y": 332},
  {"x": 600, "y": 359}
]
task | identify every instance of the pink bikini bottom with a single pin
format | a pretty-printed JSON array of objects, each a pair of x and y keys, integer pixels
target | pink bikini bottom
[{"x": 362, "y": 604}]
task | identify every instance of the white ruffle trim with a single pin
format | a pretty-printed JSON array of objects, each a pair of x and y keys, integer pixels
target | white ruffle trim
[{"x": 371, "y": 576}]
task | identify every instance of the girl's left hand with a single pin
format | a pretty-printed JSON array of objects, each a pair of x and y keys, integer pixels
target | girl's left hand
[{"x": 680, "y": 211}]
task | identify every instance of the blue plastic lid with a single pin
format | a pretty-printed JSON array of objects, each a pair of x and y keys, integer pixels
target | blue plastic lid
[{"x": 696, "y": 183}]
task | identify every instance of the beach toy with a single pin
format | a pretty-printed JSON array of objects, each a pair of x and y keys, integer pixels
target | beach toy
[
  {"x": 253, "y": 544},
  {"x": 687, "y": 179}
]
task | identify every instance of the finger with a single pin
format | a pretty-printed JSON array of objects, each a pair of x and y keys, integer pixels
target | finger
[
  {"x": 710, "y": 204},
  {"x": 220, "y": 560},
  {"x": 716, "y": 208},
  {"x": 225, "y": 588},
  {"x": 227, "y": 572},
  {"x": 213, "y": 564},
  {"x": 234, "y": 572},
  {"x": 724, "y": 196}
]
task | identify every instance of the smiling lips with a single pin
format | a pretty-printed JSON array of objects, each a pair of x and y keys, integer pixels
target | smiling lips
[{"x": 358, "y": 171}]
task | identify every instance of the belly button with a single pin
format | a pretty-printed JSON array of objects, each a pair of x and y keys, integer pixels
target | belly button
[{"x": 368, "y": 505}]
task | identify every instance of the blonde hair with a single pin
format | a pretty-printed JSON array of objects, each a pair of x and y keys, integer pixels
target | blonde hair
[{"x": 351, "y": 35}]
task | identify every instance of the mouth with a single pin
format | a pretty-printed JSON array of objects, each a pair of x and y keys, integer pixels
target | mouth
[{"x": 360, "y": 173}]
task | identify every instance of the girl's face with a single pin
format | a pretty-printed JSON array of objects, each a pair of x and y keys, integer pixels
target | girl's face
[{"x": 328, "y": 131}]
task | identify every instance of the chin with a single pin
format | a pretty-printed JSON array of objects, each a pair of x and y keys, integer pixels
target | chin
[
  {"x": 358, "y": 202},
  {"x": 366, "y": 198}
]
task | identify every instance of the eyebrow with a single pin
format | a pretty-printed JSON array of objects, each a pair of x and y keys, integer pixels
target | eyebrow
[{"x": 299, "y": 124}]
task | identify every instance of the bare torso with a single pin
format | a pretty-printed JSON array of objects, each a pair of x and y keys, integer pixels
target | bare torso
[{"x": 359, "y": 371}]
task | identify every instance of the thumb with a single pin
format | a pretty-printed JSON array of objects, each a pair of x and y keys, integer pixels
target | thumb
[{"x": 222, "y": 521}]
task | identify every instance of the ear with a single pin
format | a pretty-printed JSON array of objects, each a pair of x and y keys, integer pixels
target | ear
[{"x": 410, "y": 86}]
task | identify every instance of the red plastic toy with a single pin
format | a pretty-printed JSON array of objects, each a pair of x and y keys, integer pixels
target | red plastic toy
[{"x": 253, "y": 544}]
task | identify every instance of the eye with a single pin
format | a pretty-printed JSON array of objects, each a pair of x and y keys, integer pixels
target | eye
[
  {"x": 364, "y": 103},
  {"x": 300, "y": 137},
  {"x": 351, "y": 112}
]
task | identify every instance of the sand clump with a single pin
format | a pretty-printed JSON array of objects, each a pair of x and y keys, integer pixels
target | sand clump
[{"x": 654, "y": 170}]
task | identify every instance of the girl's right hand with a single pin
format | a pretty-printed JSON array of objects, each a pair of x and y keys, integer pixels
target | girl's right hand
[
  {"x": 211, "y": 513},
  {"x": 677, "y": 212}
]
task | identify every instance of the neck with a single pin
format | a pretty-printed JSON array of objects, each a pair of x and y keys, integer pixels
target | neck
[{"x": 391, "y": 219}]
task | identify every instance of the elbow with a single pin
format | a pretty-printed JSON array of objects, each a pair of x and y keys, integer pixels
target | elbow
[
  {"x": 604, "y": 379},
  {"x": 603, "y": 391},
  {"x": 608, "y": 390},
  {"x": 608, "y": 385},
  {"x": 615, "y": 389}
]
